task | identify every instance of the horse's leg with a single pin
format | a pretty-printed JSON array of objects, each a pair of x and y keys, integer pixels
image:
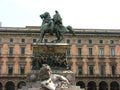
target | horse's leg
[
  {"x": 41, "y": 36},
  {"x": 57, "y": 33},
  {"x": 60, "y": 38}
]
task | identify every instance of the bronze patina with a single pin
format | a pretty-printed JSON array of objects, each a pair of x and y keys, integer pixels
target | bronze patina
[{"x": 53, "y": 26}]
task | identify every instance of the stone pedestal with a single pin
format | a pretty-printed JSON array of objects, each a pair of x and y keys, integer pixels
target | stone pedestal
[
  {"x": 39, "y": 88},
  {"x": 50, "y": 47},
  {"x": 53, "y": 54},
  {"x": 58, "y": 50}
]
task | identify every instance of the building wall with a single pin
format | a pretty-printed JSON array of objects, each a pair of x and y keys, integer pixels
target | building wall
[{"x": 85, "y": 60}]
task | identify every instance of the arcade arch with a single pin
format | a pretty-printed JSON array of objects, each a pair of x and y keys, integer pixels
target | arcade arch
[
  {"x": 81, "y": 84},
  {"x": 9, "y": 86},
  {"x": 103, "y": 85},
  {"x": 91, "y": 85},
  {"x": 20, "y": 84},
  {"x": 114, "y": 86}
]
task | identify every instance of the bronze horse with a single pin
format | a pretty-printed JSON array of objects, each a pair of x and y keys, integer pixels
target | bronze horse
[{"x": 49, "y": 26}]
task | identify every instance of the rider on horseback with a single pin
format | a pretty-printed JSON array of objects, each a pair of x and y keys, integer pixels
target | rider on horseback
[
  {"x": 47, "y": 22},
  {"x": 57, "y": 18},
  {"x": 46, "y": 18},
  {"x": 53, "y": 26}
]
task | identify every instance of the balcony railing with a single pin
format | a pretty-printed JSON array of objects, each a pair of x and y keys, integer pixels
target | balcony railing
[
  {"x": 90, "y": 56},
  {"x": 102, "y": 56},
  {"x": 13, "y": 75},
  {"x": 84, "y": 75},
  {"x": 97, "y": 75},
  {"x": 68, "y": 56},
  {"x": 94, "y": 56},
  {"x": 16, "y": 55}
]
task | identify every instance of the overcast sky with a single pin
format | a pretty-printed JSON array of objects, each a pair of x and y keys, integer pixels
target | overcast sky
[{"x": 93, "y": 14}]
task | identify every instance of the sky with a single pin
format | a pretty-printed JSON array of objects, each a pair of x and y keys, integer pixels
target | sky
[{"x": 88, "y": 14}]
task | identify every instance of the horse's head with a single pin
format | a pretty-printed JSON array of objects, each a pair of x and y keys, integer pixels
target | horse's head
[
  {"x": 42, "y": 16},
  {"x": 45, "y": 15}
]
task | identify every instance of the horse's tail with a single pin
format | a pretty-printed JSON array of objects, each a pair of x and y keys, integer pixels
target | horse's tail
[{"x": 71, "y": 30}]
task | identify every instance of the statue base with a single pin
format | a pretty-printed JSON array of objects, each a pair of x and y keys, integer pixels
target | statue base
[
  {"x": 40, "y": 88},
  {"x": 53, "y": 54},
  {"x": 70, "y": 88}
]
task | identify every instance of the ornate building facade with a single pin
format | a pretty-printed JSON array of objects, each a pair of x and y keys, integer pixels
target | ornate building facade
[{"x": 94, "y": 56}]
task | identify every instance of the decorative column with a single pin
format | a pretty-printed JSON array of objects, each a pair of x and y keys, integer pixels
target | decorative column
[
  {"x": 3, "y": 88},
  {"x": 3, "y": 83},
  {"x": 86, "y": 88},
  {"x": 16, "y": 87}
]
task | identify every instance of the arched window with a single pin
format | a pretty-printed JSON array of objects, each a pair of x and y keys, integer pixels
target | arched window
[
  {"x": 103, "y": 86},
  {"x": 1, "y": 86},
  {"x": 9, "y": 86},
  {"x": 114, "y": 86},
  {"x": 81, "y": 84},
  {"x": 91, "y": 85},
  {"x": 20, "y": 84}
]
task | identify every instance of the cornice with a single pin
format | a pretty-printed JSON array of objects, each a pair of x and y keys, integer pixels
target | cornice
[{"x": 108, "y": 32}]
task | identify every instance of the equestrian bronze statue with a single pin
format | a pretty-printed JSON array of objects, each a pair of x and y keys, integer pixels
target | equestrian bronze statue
[{"x": 53, "y": 26}]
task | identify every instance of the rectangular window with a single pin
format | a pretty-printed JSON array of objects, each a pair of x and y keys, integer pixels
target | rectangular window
[
  {"x": 91, "y": 70},
  {"x": 80, "y": 70},
  {"x": 34, "y": 40},
  {"x": 22, "y": 50},
  {"x": 113, "y": 67},
  {"x": 45, "y": 40},
  {"x": 101, "y": 52},
  {"x": 102, "y": 70},
  {"x": 10, "y": 69},
  {"x": 90, "y": 52},
  {"x": 68, "y": 40},
  {"x": 79, "y": 41},
  {"x": 23, "y": 40},
  {"x": 79, "y": 51},
  {"x": 22, "y": 69},
  {"x": 68, "y": 52},
  {"x": 101, "y": 41},
  {"x": 111, "y": 41},
  {"x": 112, "y": 51},
  {"x": 11, "y": 39},
  {"x": 90, "y": 41},
  {"x": 11, "y": 50}
]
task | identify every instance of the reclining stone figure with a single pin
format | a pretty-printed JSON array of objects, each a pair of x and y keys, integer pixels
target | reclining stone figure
[{"x": 47, "y": 79}]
